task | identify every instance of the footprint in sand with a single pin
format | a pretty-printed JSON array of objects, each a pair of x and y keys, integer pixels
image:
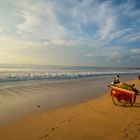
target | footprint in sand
[
  {"x": 125, "y": 135},
  {"x": 53, "y": 129},
  {"x": 138, "y": 124},
  {"x": 46, "y": 136},
  {"x": 128, "y": 131},
  {"x": 61, "y": 125},
  {"x": 134, "y": 138}
]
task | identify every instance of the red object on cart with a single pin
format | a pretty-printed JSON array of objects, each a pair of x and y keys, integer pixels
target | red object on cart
[{"x": 122, "y": 96}]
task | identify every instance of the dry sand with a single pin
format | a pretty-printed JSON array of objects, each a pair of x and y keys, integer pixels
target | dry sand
[{"x": 98, "y": 119}]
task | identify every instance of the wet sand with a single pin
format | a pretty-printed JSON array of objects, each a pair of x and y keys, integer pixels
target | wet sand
[{"x": 17, "y": 102}]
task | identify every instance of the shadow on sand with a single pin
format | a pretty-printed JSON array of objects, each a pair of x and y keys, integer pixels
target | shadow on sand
[{"x": 134, "y": 105}]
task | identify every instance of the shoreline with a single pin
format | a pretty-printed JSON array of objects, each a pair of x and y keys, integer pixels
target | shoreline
[
  {"x": 94, "y": 119},
  {"x": 31, "y": 83}
]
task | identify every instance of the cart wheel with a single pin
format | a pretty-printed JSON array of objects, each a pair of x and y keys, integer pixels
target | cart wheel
[{"x": 119, "y": 100}]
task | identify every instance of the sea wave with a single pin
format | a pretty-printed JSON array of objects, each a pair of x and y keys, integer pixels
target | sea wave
[{"x": 25, "y": 76}]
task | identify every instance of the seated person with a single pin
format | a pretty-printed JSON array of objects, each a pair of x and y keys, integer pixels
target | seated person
[{"x": 116, "y": 80}]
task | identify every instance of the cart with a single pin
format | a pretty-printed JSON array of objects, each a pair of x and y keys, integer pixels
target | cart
[{"x": 121, "y": 97}]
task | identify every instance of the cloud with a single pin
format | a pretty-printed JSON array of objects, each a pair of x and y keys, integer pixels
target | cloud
[
  {"x": 136, "y": 51},
  {"x": 113, "y": 55},
  {"x": 40, "y": 22},
  {"x": 106, "y": 20},
  {"x": 131, "y": 37},
  {"x": 106, "y": 53},
  {"x": 43, "y": 25},
  {"x": 129, "y": 9},
  {"x": 29, "y": 21},
  {"x": 59, "y": 20},
  {"x": 12, "y": 43},
  {"x": 105, "y": 30},
  {"x": 63, "y": 42},
  {"x": 115, "y": 30},
  {"x": 100, "y": 17},
  {"x": 1, "y": 30}
]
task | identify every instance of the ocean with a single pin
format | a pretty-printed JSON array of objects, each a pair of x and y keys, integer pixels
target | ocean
[{"x": 17, "y": 75}]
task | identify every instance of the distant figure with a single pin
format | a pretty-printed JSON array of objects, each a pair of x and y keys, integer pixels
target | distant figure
[
  {"x": 134, "y": 89},
  {"x": 139, "y": 77},
  {"x": 116, "y": 80}
]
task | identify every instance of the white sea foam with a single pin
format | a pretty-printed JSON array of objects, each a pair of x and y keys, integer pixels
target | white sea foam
[{"x": 32, "y": 75}]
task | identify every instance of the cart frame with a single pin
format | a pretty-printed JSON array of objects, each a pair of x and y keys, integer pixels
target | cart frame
[{"x": 121, "y": 96}]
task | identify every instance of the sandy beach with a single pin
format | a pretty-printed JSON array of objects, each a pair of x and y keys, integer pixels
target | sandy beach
[
  {"x": 58, "y": 62},
  {"x": 97, "y": 119}
]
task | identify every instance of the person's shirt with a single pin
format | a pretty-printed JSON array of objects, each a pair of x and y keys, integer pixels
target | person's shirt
[{"x": 116, "y": 80}]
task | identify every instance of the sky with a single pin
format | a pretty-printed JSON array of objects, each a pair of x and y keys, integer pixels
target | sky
[{"x": 71, "y": 33}]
